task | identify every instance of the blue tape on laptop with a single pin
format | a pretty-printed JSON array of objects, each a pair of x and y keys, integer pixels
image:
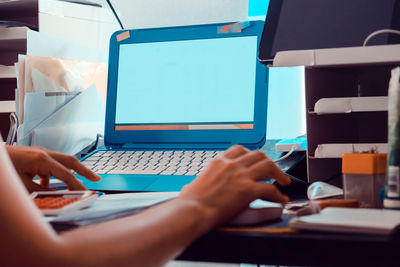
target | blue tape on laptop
[{"x": 177, "y": 97}]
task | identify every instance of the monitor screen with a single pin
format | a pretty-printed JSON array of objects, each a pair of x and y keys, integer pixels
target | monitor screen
[
  {"x": 315, "y": 24},
  {"x": 187, "y": 85}
]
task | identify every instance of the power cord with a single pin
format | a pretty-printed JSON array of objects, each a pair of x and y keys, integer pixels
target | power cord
[
  {"x": 375, "y": 33},
  {"x": 115, "y": 14},
  {"x": 290, "y": 152}
]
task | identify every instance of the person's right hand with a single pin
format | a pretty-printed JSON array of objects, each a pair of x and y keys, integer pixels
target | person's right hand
[{"x": 231, "y": 182}]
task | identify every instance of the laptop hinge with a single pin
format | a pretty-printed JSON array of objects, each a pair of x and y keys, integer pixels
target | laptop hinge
[
  {"x": 202, "y": 146},
  {"x": 195, "y": 146}
]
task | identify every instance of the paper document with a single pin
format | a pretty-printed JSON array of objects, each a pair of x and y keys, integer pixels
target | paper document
[
  {"x": 68, "y": 124},
  {"x": 350, "y": 220},
  {"x": 337, "y": 150},
  {"x": 109, "y": 207},
  {"x": 60, "y": 102},
  {"x": 375, "y": 54},
  {"x": 351, "y": 104},
  {"x": 48, "y": 74},
  {"x": 41, "y": 44},
  {"x": 7, "y": 106},
  {"x": 7, "y": 72},
  {"x": 130, "y": 200}
]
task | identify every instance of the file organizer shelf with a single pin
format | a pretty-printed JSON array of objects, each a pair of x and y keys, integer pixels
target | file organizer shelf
[
  {"x": 366, "y": 127},
  {"x": 362, "y": 88},
  {"x": 12, "y": 43}
]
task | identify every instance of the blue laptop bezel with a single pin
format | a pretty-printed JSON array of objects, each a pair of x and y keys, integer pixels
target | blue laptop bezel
[{"x": 253, "y": 138}]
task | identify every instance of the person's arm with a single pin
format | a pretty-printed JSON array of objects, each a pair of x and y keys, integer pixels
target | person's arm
[
  {"x": 150, "y": 238},
  {"x": 36, "y": 161}
]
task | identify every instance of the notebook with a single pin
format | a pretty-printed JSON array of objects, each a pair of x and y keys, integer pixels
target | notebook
[
  {"x": 350, "y": 220},
  {"x": 176, "y": 98}
]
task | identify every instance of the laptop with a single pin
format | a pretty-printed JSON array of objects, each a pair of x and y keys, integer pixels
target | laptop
[{"x": 177, "y": 98}]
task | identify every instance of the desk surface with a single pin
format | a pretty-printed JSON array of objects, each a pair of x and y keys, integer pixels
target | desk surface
[{"x": 297, "y": 249}]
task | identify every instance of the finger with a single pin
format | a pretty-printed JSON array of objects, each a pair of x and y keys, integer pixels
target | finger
[
  {"x": 34, "y": 187},
  {"x": 74, "y": 164},
  {"x": 54, "y": 168},
  {"x": 250, "y": 158},
  {"x": 270, "y": 192},
  {"x": 234, "y": 152},
  {"x": 44, "y": 181},
  {"x": 267, "y": 169}
]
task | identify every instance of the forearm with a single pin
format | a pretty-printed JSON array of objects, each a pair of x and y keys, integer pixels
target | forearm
[{"x": 149, "y": 239}]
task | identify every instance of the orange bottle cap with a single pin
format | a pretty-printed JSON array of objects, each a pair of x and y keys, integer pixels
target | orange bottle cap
[{"x": 364, "y": 163}]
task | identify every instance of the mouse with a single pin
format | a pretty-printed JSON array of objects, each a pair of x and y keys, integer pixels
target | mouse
[
  {"x": 296, "y": 190},
  {"x": 259, "y": 211}
]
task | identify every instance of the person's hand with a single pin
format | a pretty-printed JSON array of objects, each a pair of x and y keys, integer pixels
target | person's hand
[
  {"x": 35, "y": 161},
  {"x": 231, "y": 182}
]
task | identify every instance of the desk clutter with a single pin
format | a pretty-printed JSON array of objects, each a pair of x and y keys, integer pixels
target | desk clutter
[
  {"x": 61, "y": 202},
  {"x": 60, "y": 102},
  {"x": 69, "y": 209},
  {"x": 108, "y": 207}
]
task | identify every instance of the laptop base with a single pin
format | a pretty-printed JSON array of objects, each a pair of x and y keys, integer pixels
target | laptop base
[{"x": 143, "y": 183}]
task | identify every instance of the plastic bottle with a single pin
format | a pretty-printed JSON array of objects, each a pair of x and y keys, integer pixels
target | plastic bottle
[{"x": 392, "y": 196}]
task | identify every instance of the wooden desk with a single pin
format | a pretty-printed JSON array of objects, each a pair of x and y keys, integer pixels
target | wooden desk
[{"x": 299, "y": 249}]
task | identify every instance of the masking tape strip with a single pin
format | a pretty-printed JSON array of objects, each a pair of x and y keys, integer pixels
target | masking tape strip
[
  {"x": 234, "y": 27},
  {"x": 123, "y": 36}
]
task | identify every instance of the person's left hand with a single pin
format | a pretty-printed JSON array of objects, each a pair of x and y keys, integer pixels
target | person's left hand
[{"x": 36, "y": 161}]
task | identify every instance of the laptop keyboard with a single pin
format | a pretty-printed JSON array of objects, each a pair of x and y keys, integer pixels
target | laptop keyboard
[{"x": 150, "y": 162}]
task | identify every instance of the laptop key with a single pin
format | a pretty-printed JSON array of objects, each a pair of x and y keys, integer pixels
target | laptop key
[{"x": 150, "y": 162}]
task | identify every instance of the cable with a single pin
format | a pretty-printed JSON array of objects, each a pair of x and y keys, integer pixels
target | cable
[
  {"x": 10, "y": 23},
  {"x": 380, "y": 32},
  {"x": 292, "y": 149},
  {"x": 115, "y": 14},
  {"x": 332, "y": 177}
]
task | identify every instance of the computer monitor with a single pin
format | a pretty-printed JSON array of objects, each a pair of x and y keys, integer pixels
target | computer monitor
[{"x": 315, "y": 24}]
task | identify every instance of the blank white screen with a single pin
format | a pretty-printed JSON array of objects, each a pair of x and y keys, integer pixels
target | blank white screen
[{"x": 184, "y": 82}]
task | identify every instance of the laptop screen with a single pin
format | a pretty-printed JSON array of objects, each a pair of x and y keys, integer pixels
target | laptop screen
[{"x": 201, "y": 84}]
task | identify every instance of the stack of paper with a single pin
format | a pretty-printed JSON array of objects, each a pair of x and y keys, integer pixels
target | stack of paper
[
  {"x": 108, "y": 207},
  {"x": 351, "y": 104},
  {"x": 337, "y": 150},
  {"x": 338, "y": 56},
  {"x": 7, "y": 72},
  {"x": 350, "y": 220},
  {"x": 60, "y": 102}
]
